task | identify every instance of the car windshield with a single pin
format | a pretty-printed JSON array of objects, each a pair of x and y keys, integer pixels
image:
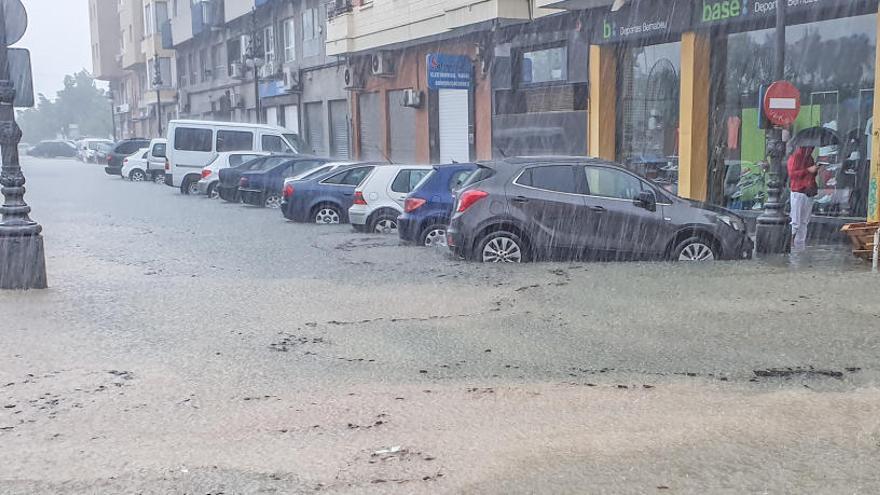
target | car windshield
[{"x": 439, "y": 247}]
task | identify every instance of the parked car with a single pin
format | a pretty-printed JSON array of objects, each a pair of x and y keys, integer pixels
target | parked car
[
  {"x": 86, "y": 148},
  {"x": 192, "y": 144},
  {"x": 519, "y": 209},
  {"x": 134, "y": 166},
  {"x": 53, "y": 149},
  {"x": 120, "y": 151},
  {"x": 379, "y": 200},
  {"x": 324, "y": 195},
  {"x": 146, "y": 163},
  {"x": 426, "y": 211},
  {"x": 263, "y": 187},
  {"x": 227, "y": 187},
  {"x": 211, "y": 173},
  {"x": 101, "y": 152}
]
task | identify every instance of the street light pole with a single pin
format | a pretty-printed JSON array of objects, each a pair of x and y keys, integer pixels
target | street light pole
[
  {"x": 772, "y": 235},
  {"x": 157, "y": 82},
  {"x": 112, "y": 112},
  {"x": 22, "y": 257},
  {"x": 255, "y": 62}
]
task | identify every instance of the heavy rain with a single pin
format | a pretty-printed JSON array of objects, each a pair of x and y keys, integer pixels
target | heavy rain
[{"x": 425, "y": 246}]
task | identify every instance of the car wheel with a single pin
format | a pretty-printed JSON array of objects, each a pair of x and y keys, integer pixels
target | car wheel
[
  {"x": 502, "y": 247},
  {"x": 327, "y": 215},
  {"x": 695, "y": 248},
  {"x": 159, "y": 179},
  {"x": 272, "y": 201},
  {"x": 137, "y": 175},
  {"x": 384, "y": 223},
  {"x": 189, "y": 187},
  {"x": 212, "y": 192},
  {"x": 433, "y": 236}
]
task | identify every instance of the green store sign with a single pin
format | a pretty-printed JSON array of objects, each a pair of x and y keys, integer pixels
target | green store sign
[{"x": 709, "y": 12}]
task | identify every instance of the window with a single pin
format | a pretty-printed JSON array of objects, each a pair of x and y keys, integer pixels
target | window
[
  {"x": 161, "y": 15},
  {"x": 189, "y": 139},
  {"x": 407, "y": 180},
  {"x": 175, "y": 8},
  {"x": 233, "y": 53},
  {"x": 181, "y": 71},
  {"x": 295, "y": 141},
  {"x": 315, "y": 173},
  {"x": 274, "y": 144},
  {"x": 236, "y": 160},
  {"x": 192, "y": 68},
  {"x": 148, "y": 19},
  {"x": 610, "y": 183},
  {"x": 269, "y": 51},
  {"x": 543, "y": 66},
  {"x": 351, "y": 177},
  {"x": 311, "y": 43},
  {"x": 205, "y": 65},
  {"x": 289, "y": 35},
  {"x": 459, "y": 178},
  {"x": 234, "y": 141},
  {"x": 159, "y": 150},
  {"x": 557, "y": 178},
  {"x": 216, "y": 66},
  {"x": 301, "y": 167}
]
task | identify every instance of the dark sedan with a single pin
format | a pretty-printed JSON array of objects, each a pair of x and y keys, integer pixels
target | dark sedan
[
  {"x": 230, "y": 178},
  {"x": 53, "y": 149},
  {"x": 519, "y": 209},
  {"x": 122, "y": 150},
  {"x": 263, "y": 187}
]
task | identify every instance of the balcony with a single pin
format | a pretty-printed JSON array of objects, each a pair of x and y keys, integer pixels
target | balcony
[
  {"x": 207, "y": 15},
  {"x": 338, "y": 8},
  {"x": 166, "y": 34},
  {"x": 352, "y": 29}
]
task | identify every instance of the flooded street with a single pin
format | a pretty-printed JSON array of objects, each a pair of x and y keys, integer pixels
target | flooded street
[{"x": 190, "y": 346}]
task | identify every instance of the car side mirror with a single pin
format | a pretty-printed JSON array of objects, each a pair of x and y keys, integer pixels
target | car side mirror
[{"x": 646, "y": 200}]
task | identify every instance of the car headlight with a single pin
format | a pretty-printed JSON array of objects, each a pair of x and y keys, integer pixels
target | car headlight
[{"x": 732, "y": 222}]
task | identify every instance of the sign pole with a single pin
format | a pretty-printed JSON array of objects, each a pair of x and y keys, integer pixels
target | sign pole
[{"x": 773, "y": 232}]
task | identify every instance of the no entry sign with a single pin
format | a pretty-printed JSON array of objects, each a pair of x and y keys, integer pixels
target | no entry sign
[{"x": 782, "y": 103}]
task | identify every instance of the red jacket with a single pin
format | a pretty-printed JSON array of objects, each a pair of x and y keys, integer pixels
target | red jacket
[{"x": 800, "y": 178}]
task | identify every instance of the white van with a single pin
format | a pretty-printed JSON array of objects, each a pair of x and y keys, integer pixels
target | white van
[{"x": 192, "y": 144}]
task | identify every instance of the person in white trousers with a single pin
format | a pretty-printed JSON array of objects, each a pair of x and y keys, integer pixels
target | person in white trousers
[{"x": 802, "y": 171}]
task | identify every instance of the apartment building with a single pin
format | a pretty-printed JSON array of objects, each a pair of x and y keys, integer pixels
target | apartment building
[
  {"x": 126, "y": 50},
  {"x": 262, "y": 61}
]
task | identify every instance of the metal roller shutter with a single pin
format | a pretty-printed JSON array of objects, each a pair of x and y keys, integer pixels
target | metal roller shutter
[
  {"x": 402, "y": 125},
  {"x": 315, "y": 127},
  {"x": 454, "y": 115},
  {"x": 339, "y": 143},
  {"x": 370, "y": 127}
]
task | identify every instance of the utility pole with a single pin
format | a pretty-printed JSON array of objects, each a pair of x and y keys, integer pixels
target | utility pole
[
  {"x": 773, "y": 233},
  {"x": 157, "y": 83},
  {"x": 255, "y": 61},
  {"x": 22, "y": 256}
]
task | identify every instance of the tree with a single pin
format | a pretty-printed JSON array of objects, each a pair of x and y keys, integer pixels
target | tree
[{"x": 80, "y": 103}]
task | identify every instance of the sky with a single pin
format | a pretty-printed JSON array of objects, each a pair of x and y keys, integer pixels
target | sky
[{"x": 58, "y": 38}]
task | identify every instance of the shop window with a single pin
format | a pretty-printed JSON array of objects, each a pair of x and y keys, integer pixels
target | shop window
[
  {"x": 544, "y": 66},
  {"x": 832, "y": 63}
]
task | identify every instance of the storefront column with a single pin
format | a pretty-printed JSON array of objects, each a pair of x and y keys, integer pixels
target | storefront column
[
  {"x": 693, "y": 133},
  {"x": 603, "y": 102},
  {"x": 874, "y": 185}
]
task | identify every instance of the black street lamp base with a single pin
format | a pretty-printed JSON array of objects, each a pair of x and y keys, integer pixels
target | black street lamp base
[
  {"x": 773, "y": 237},
  {"x": 22, "y": 262}
]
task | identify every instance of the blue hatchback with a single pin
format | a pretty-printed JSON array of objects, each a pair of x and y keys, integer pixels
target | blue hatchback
[
  {"x": 428, "y": 208},
  {"x": 323, "y": 198}
]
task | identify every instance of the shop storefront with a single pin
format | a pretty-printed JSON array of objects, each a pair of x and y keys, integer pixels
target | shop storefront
[{"x": 683, "y": 79}]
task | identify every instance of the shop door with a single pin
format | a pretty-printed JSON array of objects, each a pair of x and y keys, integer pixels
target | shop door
[
  {"x": 370, "y": 127},
  {"x": 339, "y": 147},
  {"x": 272, "y": 116},
  {"x": 291, "y": 118},
  {"x": 454, "y": 126},
  {"x": 315, "y": 127}
]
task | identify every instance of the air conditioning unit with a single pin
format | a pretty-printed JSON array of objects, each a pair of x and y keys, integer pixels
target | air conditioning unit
[
  {"x": 352, "y": 79},
  {"x": 120, "y": 109},
  {"x": 236, "y": 70},
  {"x": 267, "y": 70},
  {"x": 236, "y": 101},
  {"x": 382, "y": 64},
  {"x": 412, "y": 98},
  {"x": 291, "y": 78}
]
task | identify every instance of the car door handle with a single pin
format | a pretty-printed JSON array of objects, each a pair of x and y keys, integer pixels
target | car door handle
[
  {"x": 520, "y": 199},
  {"x": 597, "y": 209}
]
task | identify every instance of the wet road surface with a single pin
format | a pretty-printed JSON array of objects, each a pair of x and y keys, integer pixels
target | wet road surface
[{"x": 188, "y": 345}]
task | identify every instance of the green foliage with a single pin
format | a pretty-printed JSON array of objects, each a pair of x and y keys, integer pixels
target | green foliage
[{"x": 80, "y": 103}]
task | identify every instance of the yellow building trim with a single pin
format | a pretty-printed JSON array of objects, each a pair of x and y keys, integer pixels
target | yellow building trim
[
  {"x": 874, "y": 185},
  {"x": 693, "y": 161},
  {"x": 603, "y": 102}
]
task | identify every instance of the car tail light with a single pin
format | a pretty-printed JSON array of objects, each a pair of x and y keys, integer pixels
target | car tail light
[
  {"x": 109, "y": 160},
  {"x": 469, "y": 198},
  {"x": 124, "y": 161},
  {"x": 206, "y": 173},
  {"x": 359, "y": 198},
  {"x": 167, "y": 165},
  {"x": 413, "y": 204},
  {"x": 243, "y": 182},
  {"x": 288, "y": 191}
]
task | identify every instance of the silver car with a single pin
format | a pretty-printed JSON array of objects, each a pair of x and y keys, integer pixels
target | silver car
[{"x": 211, "y": 173}]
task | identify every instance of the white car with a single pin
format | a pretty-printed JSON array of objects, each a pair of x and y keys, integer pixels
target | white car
[
  {"x": 86, "y": 149},
  {"x": 211, "y": 173},
  {"x": 379, "y": 199},
  {"x": 134, "y": 166}
]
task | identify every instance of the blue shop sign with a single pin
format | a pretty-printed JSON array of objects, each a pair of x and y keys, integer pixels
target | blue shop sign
[
  {"x": 272, "y": 88},
  {"x": 449, "y": 71}
]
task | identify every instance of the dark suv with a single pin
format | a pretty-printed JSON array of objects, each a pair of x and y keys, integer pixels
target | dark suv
[
  {"x": 120, "y": 151},
  {"x": 520, "y": 209}
]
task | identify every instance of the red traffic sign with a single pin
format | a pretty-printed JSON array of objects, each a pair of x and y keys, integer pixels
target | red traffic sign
[{"x": 782, "y": 103}]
